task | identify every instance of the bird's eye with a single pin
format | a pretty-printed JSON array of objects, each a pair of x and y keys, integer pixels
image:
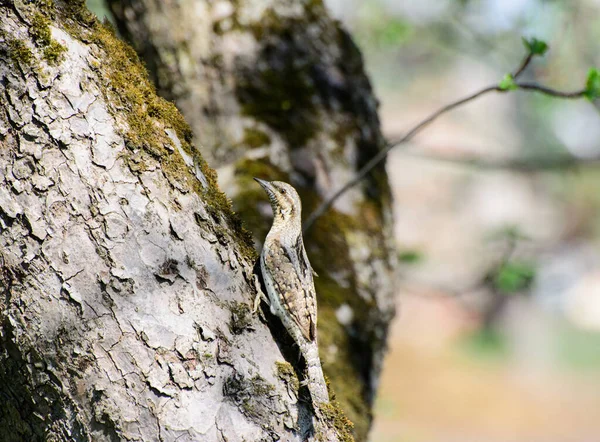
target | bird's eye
[{"x": 282, "y": 191}]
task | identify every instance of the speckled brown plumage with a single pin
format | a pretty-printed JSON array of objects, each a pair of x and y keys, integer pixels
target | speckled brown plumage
[
  {"x": 297, "y": 294},
  {"x": 288, "y": 278}
]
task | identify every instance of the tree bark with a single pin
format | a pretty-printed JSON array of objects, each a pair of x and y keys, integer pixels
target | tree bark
[
  {"x": 126, "y": 278},
  {"x": 277, "y": 89}
]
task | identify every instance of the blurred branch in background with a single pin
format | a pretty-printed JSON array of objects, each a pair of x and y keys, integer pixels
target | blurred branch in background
[
  {"x": 535, "y": 48},
  {"x": 510, "y": 275},
  {"x": 525, "y": 164}
]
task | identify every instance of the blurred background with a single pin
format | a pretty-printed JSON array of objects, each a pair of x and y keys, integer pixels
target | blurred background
[
  {"x": 497, "y": 208},
  {"x": 497, "y": 220}
]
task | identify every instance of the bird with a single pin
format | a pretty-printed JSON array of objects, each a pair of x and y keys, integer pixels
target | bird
[{"x": 288, "y": 278}]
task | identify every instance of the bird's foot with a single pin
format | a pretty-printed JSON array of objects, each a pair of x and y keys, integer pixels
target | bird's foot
[{"x": 259, "y": 295}]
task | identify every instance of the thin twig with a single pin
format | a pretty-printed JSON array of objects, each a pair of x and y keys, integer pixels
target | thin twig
[
  {"x": 382, "y": 154},
  {"x": 552, "y": 92},
  {"x": 523, "y": 66}
]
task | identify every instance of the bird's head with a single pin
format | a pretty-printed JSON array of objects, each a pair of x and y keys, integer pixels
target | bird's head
[{"x": 284, "y": 200}]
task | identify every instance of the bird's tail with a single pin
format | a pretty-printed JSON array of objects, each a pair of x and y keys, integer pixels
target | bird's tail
[{"x": 316, "y": 381}]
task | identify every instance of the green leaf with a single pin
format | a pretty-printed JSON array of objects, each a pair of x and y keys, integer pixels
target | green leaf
[
  {"x": 535, "y": 46},
  {"x": 508, "y": 83},
  {"x": 592, "y": 85},
  {"x": 486, "y": 344},
  {"x": 514, "y": 276},
  {"x": 393, "y": 33},
  {"x": 410, "y": 256}
]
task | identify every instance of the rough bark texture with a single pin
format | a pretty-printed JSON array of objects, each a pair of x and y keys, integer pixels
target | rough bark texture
[
  {"x": 276, "y": 89},
  {"x": 126, "y": 279}
]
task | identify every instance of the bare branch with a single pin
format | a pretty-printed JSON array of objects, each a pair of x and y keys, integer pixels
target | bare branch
[
  {"x": 523, "y": 65},
  {"x": 552, "y": 92},
  {"x": 382, "y": 154}
]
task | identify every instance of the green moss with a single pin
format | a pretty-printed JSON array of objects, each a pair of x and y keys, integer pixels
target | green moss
[
  {"x": 329, "y": 253},
  {"x": 41, "y": 34},
  {"x": 250, "y": 395},
  {"x": 40, "y": 29},
  {"x": 54, "y": 52},
  {"x": 353, "y": 349},
  {"x": 240, "y": 319},
  {"x": 282, "y": 100},
  {"x": 247, "y": 169},
  {"x": 45, "y": 6},
  {"x": 246, "y": 205},
  {"x": 75, "y": 12},
  {"x": 130, "y": 86},
  {"x": 334, "y": 415},
  {"x": 344, "y": 373},
  {"x": 19, "y": 52},
  {"x": 286, "y": 373},
  {"x": 279, "y": 90},
  {"x": 260, "y": 387},
  {"x": 255, "y": 138}
]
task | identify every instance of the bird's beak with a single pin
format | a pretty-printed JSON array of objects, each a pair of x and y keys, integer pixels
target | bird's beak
[{"x": 267, "y": 186}]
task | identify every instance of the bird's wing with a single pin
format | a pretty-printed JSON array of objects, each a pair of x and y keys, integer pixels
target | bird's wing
[
  {"x": 293, "y": 279},
  {"x": 299, "y": 260},
  {"x": 300, "y": 247}
]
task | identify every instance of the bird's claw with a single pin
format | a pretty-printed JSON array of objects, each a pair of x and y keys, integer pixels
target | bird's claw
[{"x": 259, "y": 295}]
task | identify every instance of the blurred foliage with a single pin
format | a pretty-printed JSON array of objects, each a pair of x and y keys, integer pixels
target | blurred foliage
[
  {"x": 508, "y": 83},
  {"x": 535, "y": 46},
  {"x": 571, "y": 347},
  {"x": 592, "y": 86},
  {"x": 410, "y": 256},
  {"x": 379, "y": 30},
  {"x": 513, "y": 277},
  {"x": 510, "y": 233},
  {"x": 485, "y": 344},
  {"x": 578, "y": 349},
  {"x": 578, "y": 192}
]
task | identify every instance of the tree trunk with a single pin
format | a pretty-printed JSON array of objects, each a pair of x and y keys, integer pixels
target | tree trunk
[
  {"x": 276, "y": 89},
  {"x": 126, "y": 277}
]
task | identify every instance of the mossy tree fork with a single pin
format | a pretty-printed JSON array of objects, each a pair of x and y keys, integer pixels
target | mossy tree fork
[{"x": 127, "y": 278}]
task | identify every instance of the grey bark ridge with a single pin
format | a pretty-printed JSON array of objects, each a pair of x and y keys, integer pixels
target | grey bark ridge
[{"x": 123, "y": 298}]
